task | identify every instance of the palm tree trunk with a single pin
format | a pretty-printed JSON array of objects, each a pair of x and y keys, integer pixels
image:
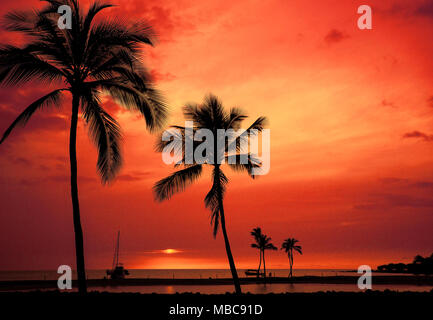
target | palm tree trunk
[
  {"x": 260, "y": 264},
  {"x": 291, "y": 266},
  {"x": 79, "y": 247},
  {"x": 264, "y": 264},
  {"x": 288, "y": 257},
  {"x": 291, "y": 263},
  {"x": 226, "y": 239}
]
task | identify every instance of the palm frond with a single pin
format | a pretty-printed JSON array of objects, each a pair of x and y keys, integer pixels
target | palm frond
[
  {"x": 177, "y": 140},
  {"x": 53, "y": 98},
  {"x": 106, "y": 134},
  {"x": 290, "y": 244},
  {"x": 94, "y": 9},
  {"x": 237, "y": 163},
  {"x": 149, "y": 102},
  {"x": 259, "y": 124},
  {"x": 270, "y": 246},
  {"x": 20, "y": 21},
  {"x": 18, "y": 66},
  {"x": 212, "y": 199},
  {"x": 116, "y": 34},
  {"x": 176, "y": 182},
  {"x": 243, "y": 138},
  {"x": 298, "y": 249},
  {"x": 234, "y": 119},
  {"x": 191, "y": 112},
  {"x": 257, "y": 233}
]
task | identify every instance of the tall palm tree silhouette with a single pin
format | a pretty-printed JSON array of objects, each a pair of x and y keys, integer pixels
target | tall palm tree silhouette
[
  {"x": 85, "y": 60},
  {"x": 289, "y": 245},
  {"x": 257, "y": 234},
  {"x": 212, "y": 116}
]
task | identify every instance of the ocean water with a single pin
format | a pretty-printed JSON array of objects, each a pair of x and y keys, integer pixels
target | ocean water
[
  {"x": 214, "y": 274},
  {"x": 259, "y": 288},
  {"x": 171, "y": 273}
]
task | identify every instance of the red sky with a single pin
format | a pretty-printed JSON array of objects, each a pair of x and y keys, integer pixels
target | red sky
[{"x": 351, "y": 119}]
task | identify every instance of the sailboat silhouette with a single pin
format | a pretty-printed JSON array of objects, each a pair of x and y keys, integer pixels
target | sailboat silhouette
[{"x": 117, "y": 270}]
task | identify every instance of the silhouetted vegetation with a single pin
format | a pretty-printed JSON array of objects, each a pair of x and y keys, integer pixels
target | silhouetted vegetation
[
  {"x": 289, "y": 245},
  {"x": 420, "y": 265},
  {"x": 263, "y": 242},
  {"x": 211, "y": 116},
  {"x": 90, "y": 58}
]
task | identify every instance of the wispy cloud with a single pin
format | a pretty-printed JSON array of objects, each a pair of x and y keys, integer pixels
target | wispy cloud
[
  {"x": 425, "y": 9},
  {"x": 418, "y": 135},
  {"x": 386, "y": 201},
  {"x": 133, "y": 176},
  {"x": 421, "y": 9},
  {"x": 430, "y": 101},
  {"x": 386, "y": 103},
  {"x": 335, "y": 36}
]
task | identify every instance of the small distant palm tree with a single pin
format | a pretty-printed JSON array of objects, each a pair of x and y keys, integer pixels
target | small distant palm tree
[
  {"x": 289, "y": 245},
  {"x": 418, "y": 259},
  {"x": 88, "y": 59},
  {"x": 266, "y": 245},
  {"x": 257, "y": 234},
  {"x": 263, "y": 242},
  {"x": 212, "y": 116}
]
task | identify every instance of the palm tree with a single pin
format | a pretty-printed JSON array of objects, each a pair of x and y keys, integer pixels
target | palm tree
[
  {"x": 88, "y": 59},
  {"x": 257, "y": 234},
  {"x": 262, "y": 243},
  {"x": 289, "y": 245},
  {"x": 419, "y": 259},
  {"x": 212, "y": 116},
  {"x": 265, "y": 244}
]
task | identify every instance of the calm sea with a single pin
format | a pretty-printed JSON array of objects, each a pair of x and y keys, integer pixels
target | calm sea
[
  {"x": 214, "y": 273},
  {"x": 170, "y": 273}
]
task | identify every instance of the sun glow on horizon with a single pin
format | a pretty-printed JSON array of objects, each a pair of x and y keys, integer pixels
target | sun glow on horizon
[{"x": 170, "y": 251}]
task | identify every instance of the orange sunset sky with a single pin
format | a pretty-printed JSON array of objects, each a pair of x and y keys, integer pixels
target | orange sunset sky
[{"x": 351, "y": 119}]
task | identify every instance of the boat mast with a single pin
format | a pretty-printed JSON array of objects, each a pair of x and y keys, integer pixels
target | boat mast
[
  {"x": 117, "y": 249},
  {"x": 116, "y": 253}
]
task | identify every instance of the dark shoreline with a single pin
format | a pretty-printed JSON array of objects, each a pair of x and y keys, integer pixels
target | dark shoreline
[{"x": 52, "y": 284}]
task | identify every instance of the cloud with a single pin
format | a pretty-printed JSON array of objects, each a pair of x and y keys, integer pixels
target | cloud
[
  {"x": 127, "y": 177},
  {"x": 55, "y": 179},
  {"x": 423, "y": 184},
  {"x": 418, "y": 135},
  {"x": 38, "y": 122},
  {"x": 158, "y": 76},
  {"x": 386, "y": 103},
  {"x": 407, "y": 183},
  {"x": 13, "y": 102},
  {"x": 425, "y": 9},
  {"x": 133, "y": 176},
  {"x": 335, "y": 36},
  {"x": 164, "y": 17},
  {"x": 21, "y": 161},
  {"x": 430, "y": 101},
  {"x": 392, "y": 180},
  {"x": 422, "y": 9},
  {"x": 387, "y": 201}
]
